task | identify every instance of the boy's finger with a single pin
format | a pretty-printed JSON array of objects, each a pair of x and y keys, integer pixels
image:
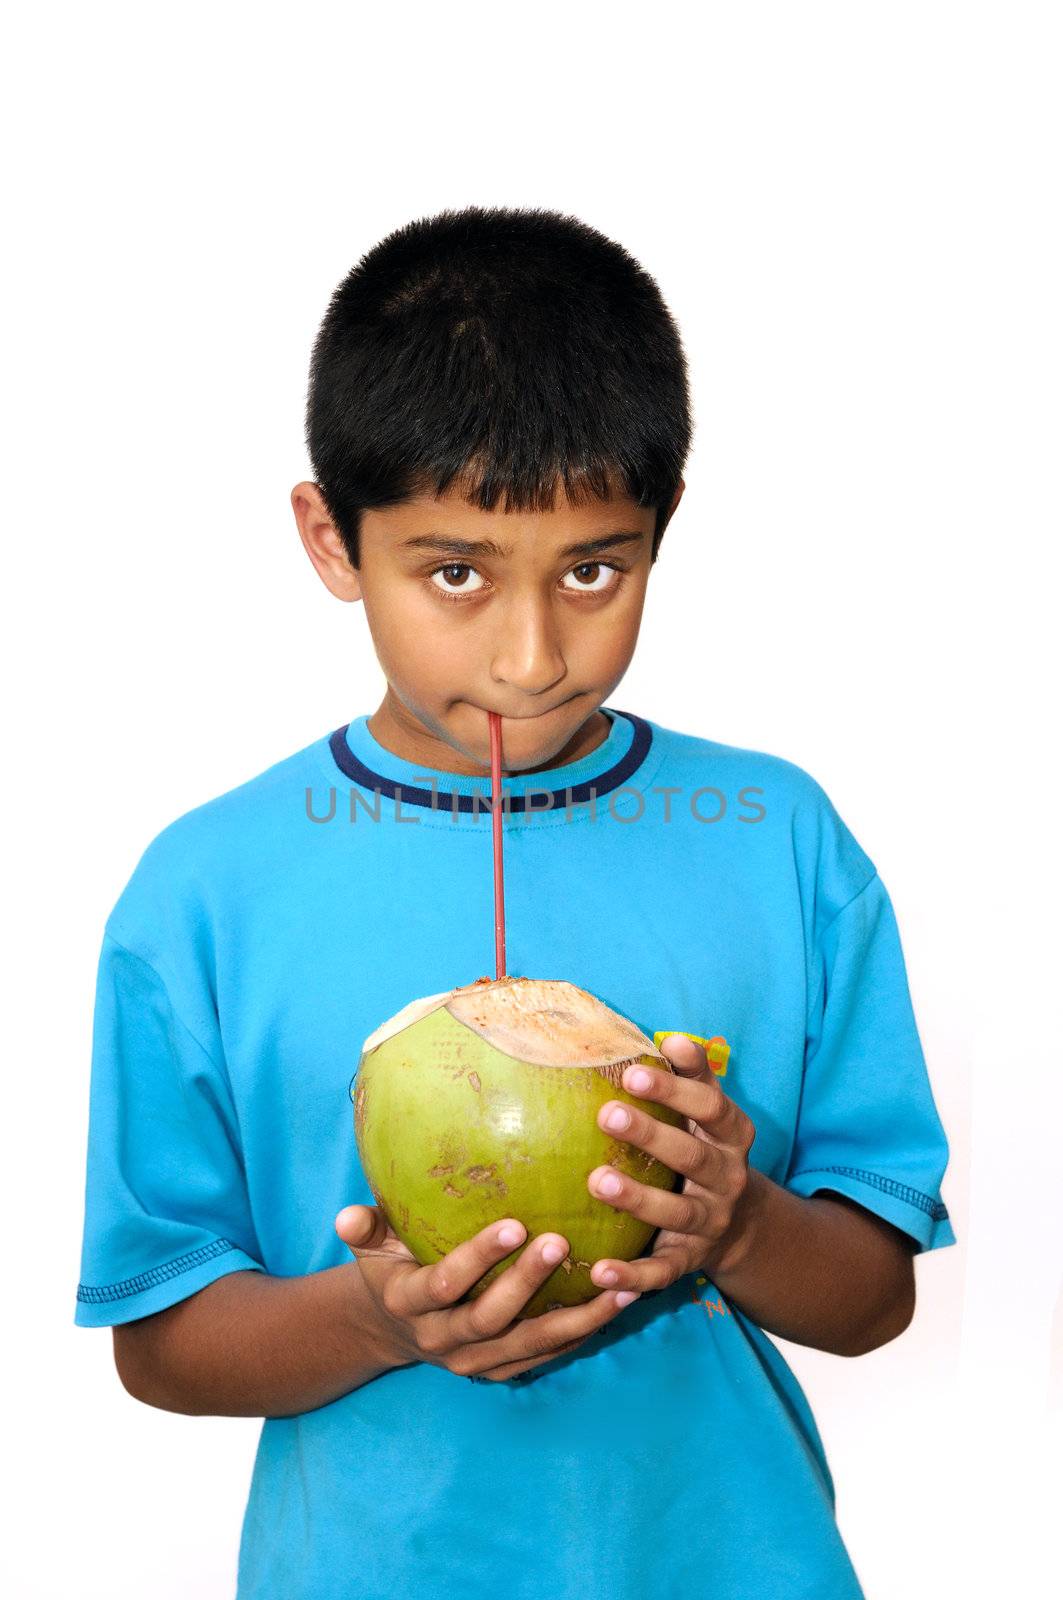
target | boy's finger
[
  {"x": 544, "y": 1336},
  {"x": 696, "y": 1095},
  {"x": 512, "y": 1369},
  {"x": 442, "y": 1284},
  {"x": 647, "y": 1274},
  {"x": 686, "y": 1055},
  {"x": 681, "y": 1211},
  {"x": 505, "y": 1298}
]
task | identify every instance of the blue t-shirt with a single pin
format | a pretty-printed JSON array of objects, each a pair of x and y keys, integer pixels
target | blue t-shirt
[{"x": 690, "y": 885}]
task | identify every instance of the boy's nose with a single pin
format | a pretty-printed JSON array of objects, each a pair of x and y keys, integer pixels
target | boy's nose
[{"x": 527, "y": 655}]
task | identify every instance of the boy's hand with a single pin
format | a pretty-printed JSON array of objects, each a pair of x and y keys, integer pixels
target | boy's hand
[
  {"x": 421, "y": 1320},
  {"x": 707, "y": 1220}
]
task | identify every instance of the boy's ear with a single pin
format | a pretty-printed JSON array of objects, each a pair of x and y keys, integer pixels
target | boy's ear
[{"x": 323, "y": 544}]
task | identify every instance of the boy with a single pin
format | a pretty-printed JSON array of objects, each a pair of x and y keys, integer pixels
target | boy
[{"x": 498, "y": 420}]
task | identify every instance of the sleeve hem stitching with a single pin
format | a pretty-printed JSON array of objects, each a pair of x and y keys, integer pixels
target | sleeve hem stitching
[
  {"x": 935, "y": 1209},
  {"x": 92, "y": 1296}
]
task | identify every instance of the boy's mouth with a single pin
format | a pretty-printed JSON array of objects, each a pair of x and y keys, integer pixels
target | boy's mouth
[{"x": 534, "y": 716}]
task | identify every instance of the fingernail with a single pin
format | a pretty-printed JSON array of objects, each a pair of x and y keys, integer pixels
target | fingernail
[
  {"x": 637, "y": 1079},
  {"x": 608, "y": 1183},
  {"x": 552, "y": 1254},
  {"x": 607, "y": 1276},
  {"x": 625, "y": 1296},
  {"x": 618, "y": 1119},
  {"x": 510, "y": 1233}
]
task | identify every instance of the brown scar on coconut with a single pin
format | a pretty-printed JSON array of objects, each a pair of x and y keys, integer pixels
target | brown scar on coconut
[{"x": 542, "y": 1056}]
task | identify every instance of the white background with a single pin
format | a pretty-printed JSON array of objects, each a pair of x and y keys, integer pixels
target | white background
[{"x": 853, "y": 212}]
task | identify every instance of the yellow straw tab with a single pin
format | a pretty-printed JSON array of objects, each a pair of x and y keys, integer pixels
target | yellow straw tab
[{"x": 717, "y": 1049}]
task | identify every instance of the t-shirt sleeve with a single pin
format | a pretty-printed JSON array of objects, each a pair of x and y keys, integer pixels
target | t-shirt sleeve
[
  {"x": 867, "y": 1126},
  {"x": 166, "y": 1206}
]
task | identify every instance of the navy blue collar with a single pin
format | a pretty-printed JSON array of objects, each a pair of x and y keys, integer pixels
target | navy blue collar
[{"x": 599, "y": 773}]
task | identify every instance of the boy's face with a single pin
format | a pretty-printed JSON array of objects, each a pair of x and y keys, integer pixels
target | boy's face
[{"x": 473, "y": 611}]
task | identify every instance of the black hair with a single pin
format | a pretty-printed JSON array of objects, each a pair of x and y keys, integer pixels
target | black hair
[{"x": 503, "y": 350}]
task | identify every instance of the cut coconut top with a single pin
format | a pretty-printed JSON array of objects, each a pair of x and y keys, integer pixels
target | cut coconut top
[{"x": 545, "y": 1021}]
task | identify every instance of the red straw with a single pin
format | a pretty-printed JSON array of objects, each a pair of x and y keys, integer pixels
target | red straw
[{"x": 496, "y": 839}]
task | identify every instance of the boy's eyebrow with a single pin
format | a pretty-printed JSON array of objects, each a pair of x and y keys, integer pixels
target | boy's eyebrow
[{"x": 445, "y": 544}]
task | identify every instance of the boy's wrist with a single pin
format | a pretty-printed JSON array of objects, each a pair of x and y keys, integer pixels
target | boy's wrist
[{"x": 370, "y": 1324}]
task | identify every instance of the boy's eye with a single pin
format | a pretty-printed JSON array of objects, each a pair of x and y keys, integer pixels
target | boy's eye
[
  {"x": 597, "y": 570},
  {"x": 452, "y": 571},
  {"x": 592, "y": 577}
]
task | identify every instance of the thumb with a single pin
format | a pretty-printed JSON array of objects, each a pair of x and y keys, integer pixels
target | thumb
[
  {"x": 686, "y": 1055},
  {"x": 362, "y": 1227}
]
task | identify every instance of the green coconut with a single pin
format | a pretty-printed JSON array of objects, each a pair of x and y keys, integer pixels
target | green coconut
[{"x": 481, "y": 1103}]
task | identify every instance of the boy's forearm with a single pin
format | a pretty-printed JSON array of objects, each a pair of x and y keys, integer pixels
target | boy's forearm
[
  {"x": 817, "y": 1272},
  {"x": 250, "y": 1345}
]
